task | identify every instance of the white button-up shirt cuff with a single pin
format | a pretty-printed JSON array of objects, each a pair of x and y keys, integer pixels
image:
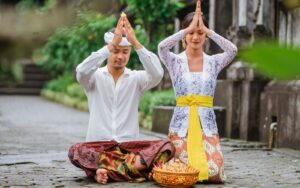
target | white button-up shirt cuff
[{"x": 104, "y": 51}]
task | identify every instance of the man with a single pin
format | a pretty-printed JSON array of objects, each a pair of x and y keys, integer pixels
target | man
[{"x": 112, "y": 151}]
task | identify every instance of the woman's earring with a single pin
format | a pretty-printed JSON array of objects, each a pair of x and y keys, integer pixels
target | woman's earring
[{"x": 183, "y": 43}]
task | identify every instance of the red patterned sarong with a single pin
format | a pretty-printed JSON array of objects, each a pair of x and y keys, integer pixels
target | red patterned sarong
[{"x": 118, "y": 158}]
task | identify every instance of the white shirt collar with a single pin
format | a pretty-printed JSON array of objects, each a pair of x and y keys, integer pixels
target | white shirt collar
[{"x": 126, "y": 70}]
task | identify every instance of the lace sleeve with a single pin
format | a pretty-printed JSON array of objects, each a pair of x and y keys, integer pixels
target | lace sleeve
[
  {"x": 230, "y": 51},
  {"x": 168, "y": 58}
]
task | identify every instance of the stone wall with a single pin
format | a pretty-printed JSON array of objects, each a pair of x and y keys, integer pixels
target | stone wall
[
  {"x": 162, "y": 116},
  {"x": 280, "y": 105}
]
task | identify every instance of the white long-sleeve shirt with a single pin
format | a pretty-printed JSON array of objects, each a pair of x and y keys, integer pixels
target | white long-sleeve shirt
[{"x": 114, "y": 107}]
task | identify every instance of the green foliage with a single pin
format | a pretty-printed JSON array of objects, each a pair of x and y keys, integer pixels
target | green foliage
[
  {"x": 291, "y": 4},
  {"x": 156, "y": 17},
  {"x": 65, "y": 99},
  {"x": 76, "y": 91},
  {"x": 61, "y": 83},
  {"x": 10, "y": 73},
  {"x": 37, "y": 5},
  {"x": 151, "y": 12},
  {"x": 26, "y": 4},
  {"x": 69, "y": 46},
  {"x": 273, "y": 60},
  {"x": 149, "y": 100},
  {"x": 156, "y": 98},
  {"x": 66, "y": 91}
]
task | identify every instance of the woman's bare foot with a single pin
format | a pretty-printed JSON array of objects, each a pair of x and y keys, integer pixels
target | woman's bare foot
[
  {"x": 101, "y": 176},
  {"x": 150, "y": 176}
]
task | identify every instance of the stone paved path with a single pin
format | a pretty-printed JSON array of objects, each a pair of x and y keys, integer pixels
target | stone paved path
[{"x": 35, "y": 135}]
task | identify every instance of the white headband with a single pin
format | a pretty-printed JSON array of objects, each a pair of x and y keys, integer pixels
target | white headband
[{"x": 108, "y": 38}]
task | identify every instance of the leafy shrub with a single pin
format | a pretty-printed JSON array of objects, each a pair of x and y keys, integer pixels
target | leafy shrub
[
  {"x": 156, "y": 98},
  {"x": 155, "y": 17},
  {"x": 10, "y": 73},
  {"x": 151, "y": 99},
  {"x": 75, "y": 90},
  {"x": 69, "y": 46},
  {"x": 61, "y": 83}
]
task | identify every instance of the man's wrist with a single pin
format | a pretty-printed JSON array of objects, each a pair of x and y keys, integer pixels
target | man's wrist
[
  {"x": 137, "y": 45},
  {"x": 111, "y": 46}
]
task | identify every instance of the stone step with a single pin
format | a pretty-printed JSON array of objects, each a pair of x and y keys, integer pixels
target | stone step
[
  {"x": 34, "y": 79},
  {"x": 20, "y": 91},
  {"x": 30, "y": 65},
  {"x": 36, "y": 76},
  {"x": 32, "y": 84},
  {"x": 26, "y": 84},
  {"x": 32, "y": 69}
]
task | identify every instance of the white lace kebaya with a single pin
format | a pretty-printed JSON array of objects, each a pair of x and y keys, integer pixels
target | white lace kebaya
[{"x": 194, "y": 83}]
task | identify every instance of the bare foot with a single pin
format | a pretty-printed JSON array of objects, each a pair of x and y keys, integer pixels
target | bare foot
[
  {"x": 101, "y": 176},
  {"x": 150, "y": 176},
  {"x": 138, "y": 164}
]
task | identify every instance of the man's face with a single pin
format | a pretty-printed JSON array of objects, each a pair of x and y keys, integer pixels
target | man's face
[{"x": 119, "y": 57}]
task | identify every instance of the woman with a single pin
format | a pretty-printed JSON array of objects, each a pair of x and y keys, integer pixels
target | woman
[{"x": 193, "y": 128}]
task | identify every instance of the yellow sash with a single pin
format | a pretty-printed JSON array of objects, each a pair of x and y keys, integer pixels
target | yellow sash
[{"x": 195, "y": 147}]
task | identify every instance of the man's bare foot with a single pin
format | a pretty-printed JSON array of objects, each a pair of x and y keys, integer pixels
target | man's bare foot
[
  {"x": 138, "y": 163},
  {"x": 101, "y": 176}
]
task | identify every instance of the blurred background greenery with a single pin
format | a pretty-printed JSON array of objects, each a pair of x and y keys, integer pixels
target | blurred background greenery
[
  {"x": 57, "y": 38},
  {"x": 68, "y": 46}
]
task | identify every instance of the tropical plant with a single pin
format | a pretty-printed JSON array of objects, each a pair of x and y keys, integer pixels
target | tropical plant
[
  {"x": 69, "y": 46},
  {"x": 273, "y": 60},
  {"x": 155, "y": 17}
]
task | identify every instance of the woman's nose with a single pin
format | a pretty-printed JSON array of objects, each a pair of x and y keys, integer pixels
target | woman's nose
[{"x": 195, "y": 36}]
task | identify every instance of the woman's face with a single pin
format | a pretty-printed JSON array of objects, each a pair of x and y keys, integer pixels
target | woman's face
[{"x": 195, "y": 39}]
